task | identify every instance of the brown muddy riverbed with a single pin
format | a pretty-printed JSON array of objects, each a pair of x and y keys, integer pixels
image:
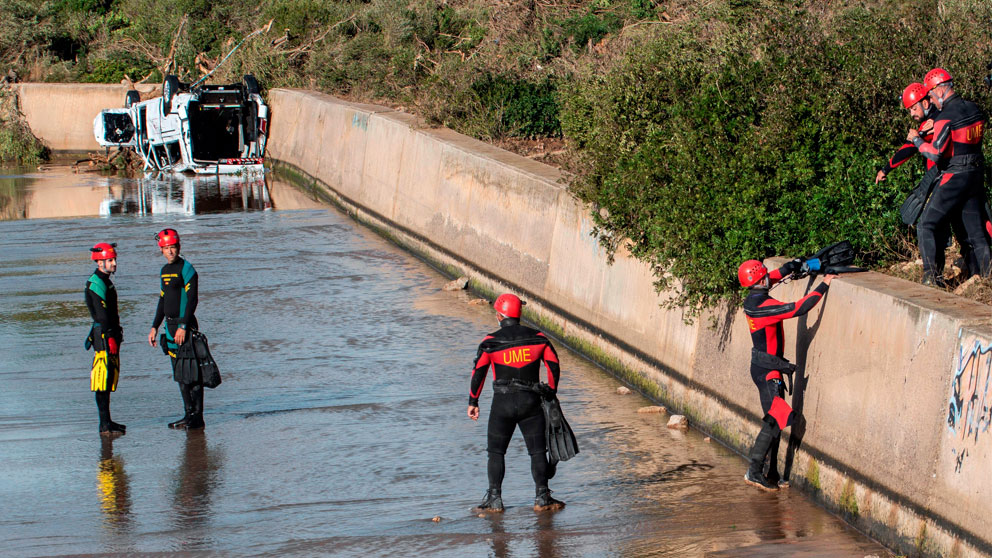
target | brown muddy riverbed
[{"x": 340, "y": 427}]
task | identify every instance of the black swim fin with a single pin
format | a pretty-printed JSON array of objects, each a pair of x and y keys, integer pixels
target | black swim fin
[
  {"x": 187, "y": 369},
  {"x": 209, "y": 372},
  {"x": 837, "y": 255},
  {"x": 561, "y": 442}
]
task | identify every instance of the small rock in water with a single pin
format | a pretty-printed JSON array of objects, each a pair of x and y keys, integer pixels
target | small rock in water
[
  {"x": 678, "y": 422},
  {"x": 436, "y": 519},
  {"x": 456, "y": 285},
  {"x": 623, "y": 390},
  {"x": 654, "y": 409},
  {"x": 478, "y": 302}
]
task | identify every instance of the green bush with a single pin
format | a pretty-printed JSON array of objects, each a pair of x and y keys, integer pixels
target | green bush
[
  {"x": 113, "y": 70},
  {"x": 590, "y": 27},
  {"x": 752, "y": 133},
  {"x": 18, "y": 146},
  {"x": 518, "y": 107}
]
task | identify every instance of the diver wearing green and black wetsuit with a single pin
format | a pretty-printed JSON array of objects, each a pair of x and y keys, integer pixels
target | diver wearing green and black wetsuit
[
  {"x": 176, "y": 306},
  {"x": 105, "y": 334}
]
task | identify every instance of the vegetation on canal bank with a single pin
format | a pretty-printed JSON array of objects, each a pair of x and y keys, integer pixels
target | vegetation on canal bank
[
  {"x": 703, "y": 134},
  {"x": 18, "y": 146}
]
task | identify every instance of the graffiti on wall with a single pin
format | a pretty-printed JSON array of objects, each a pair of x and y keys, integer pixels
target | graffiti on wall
[{"x": 970, "y": 409}]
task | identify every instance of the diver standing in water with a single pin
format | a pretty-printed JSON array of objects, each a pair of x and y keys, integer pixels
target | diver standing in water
[
  {"x": 105, "y": 335},
  {"x": 764, "y": 318},
  {"x": 176, "y": 306},
  {"x": 515, "y": 353}
]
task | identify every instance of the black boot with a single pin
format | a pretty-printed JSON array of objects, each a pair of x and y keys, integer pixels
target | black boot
[
  {"x": 754, "y": 475},
  {"x": 187, "y": 407},
  {"x": 196, "y": 407},
  {"x": 492, "y": 503},
  {"x": 934, "y": 280},
  {"x": 544, "y": 501},
  {"x": 772, "y": 467},
  {"x": 195, "y": 422},
  {"x": 107, "y": 426}
]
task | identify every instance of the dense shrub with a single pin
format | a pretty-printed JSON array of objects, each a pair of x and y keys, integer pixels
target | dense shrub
[
  {"x": 17, "y": 145},
  {"x": 520, "y": 108},
  {"x": 757, "y": 131}
]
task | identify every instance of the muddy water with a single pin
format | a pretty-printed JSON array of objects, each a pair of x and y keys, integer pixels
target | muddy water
[{"x": 340, "y": 427}]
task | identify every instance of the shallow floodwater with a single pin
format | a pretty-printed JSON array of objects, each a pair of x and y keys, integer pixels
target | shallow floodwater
[{"x": 340, "y": 427}]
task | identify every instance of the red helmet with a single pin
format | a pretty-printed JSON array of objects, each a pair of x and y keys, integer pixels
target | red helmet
[
  {"x": 914, "y": 93},
  {"x": 934, "y": 78},
  {"x": 750, "y": 272},
  {"x": 103, "y": 251},
  {"x": 167, "y": 237},
  {"x": 508, "y": 305}
]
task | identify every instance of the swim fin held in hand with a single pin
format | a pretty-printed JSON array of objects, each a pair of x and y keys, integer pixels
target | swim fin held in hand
[
  {"x": 209, "y": 372},
  {"x": 835, "y": 255},
  {"x": 561, "y": 442},
  {"x": 834, "y": 259},
  {"x": 187, "y": 370}
]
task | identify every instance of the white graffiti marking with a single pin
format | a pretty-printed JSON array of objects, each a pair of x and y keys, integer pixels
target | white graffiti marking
[{"x": 969, "y": 413}]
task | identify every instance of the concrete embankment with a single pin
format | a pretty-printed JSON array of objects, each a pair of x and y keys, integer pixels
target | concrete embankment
[
  {"x": 894, "y": 379},
  {"x": 62, "y": 115}
]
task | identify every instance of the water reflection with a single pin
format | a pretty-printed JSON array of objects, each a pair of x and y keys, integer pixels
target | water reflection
[
  {"x": 195, "y": 480},
  {"x": 188, "y": 195},
  {"x": 114, "y": 491},
  {"x": 544, "y": 543},
  {"x": 59, "y": 193}
]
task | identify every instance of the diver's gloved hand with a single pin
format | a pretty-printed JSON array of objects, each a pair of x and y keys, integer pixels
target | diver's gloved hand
[
  {"x": 793, "y": 266},
  {"x": 112, "y": 346},
  {"x": 812, "y": 264}
]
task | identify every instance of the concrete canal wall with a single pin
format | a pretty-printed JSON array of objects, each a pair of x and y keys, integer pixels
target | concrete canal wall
[
  {"x": 894, "y": 383},
  {"x": 61, "y": 115}
]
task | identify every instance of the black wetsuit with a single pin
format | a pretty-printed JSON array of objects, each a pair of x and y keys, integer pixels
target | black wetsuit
[
  {"x": 956, "y": 148},
  {"x": 515, "y": 353},
  {"x": 101, "y": 299},
  {"x": 177, "y": 306}
]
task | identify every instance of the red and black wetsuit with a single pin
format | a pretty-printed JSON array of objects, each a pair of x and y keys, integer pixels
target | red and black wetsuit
[
  {"x": 956, "y": 149},
  {"x": 764, "y": 318},
  {"x": 906, "y": 152},
  {"x": 515, "y": 354},
  {"x": 909, "y": 149}
]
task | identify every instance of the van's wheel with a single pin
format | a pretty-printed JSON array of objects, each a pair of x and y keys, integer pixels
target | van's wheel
[
  {"x": 251, "y": 85},
  {"x": 131, "y": 98},
  {"x": 169, "y": 89}
]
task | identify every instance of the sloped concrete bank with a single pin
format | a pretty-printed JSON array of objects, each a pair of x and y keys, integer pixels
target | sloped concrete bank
[{"x": 894, "y": 378}]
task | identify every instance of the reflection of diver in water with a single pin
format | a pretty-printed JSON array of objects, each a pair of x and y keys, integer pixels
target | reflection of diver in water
[
  {"x": 543, "y": 531},
  {"x": 194, "y": 481},
  {"x": 112, "y": 483}
]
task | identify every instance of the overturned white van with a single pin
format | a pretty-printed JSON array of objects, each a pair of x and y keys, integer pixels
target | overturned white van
[{"x": 206, "y": 129}]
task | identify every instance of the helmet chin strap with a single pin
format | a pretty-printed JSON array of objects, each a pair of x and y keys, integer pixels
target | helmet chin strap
[{"x": 940, "y": 100}]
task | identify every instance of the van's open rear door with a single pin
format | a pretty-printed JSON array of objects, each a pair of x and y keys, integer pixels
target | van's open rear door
[{"x": 114, "y": 127}]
